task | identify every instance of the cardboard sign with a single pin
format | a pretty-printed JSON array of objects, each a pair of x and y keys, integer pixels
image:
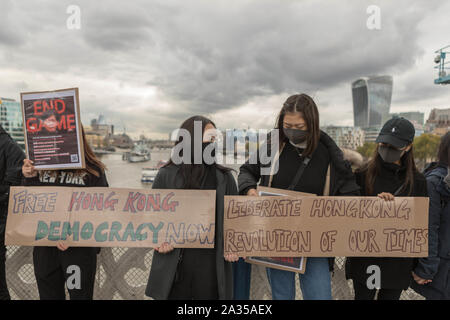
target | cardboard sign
[
  {"x": 52, "y": 129},
  {"x": 110, "y": 217},
  {"x": 294, "y": 264},
  {"x": 326, "y": 226}
]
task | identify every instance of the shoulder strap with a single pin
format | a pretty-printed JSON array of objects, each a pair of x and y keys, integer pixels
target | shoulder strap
[
  {"x": 326, "y": 189},
  {"x": 396, "y": 193},
  {"x": 299, "y": 173}
]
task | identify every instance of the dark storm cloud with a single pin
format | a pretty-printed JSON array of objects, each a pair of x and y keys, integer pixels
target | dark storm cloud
[{"x": 209, "y": 56}]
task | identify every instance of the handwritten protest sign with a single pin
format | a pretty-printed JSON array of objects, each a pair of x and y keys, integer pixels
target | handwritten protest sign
[
  {"x": 110, "y": 217},
  {"x": 294, "y": 264},
  {"x": 52, "y": 129},
  {"x": 325, "y": 226}
]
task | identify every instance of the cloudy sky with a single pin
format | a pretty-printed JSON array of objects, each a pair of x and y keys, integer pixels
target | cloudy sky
[{"x": 146, "y": 65}]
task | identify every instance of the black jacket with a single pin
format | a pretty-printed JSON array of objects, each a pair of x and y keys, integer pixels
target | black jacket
[
  {"x": 164, "y": 266},
  {"x": 11, "y": 161},
  {"x": 436, "y": 266},
  {"x": 395, "y": 272},
  {"x": 342, "y": 180}
]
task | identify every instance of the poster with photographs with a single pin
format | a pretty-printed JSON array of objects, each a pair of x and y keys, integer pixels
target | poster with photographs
[{"x": 52, "y": 129}]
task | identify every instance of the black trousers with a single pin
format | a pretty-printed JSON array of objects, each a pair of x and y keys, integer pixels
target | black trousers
[
  {"x": 196, "y": 277},
  {"x": 4, "y": 293},
  {"x": 53, "y": 268},
  {"x": 364, "y": 293}
]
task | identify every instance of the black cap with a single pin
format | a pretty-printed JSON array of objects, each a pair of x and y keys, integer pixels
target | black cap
[{"x": 397, "y": 132}]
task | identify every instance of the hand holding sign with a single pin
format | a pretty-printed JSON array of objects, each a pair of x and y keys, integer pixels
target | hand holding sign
[
  {"x": 28, "y": 169},
  {"x": 386, "y": 196},
  {"x": 231, "y": 257},
  {"x": 420, "y": 280},
  {"x": 165, "y": 248},
  {"x": 61, "y": 246}
]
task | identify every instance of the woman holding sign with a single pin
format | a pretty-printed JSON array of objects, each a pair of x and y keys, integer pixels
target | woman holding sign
[
  {"x": 432, "y": 274},
  {"x": 307, "y": 159},
  {"x": 204, "y": 274},
  {"x": 391, "y": 172},
  {"x": 53, "y": 266}
]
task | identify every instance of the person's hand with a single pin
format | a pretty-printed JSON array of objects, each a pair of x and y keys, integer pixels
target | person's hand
[
  {"x": 61, "y": 246},
  {"x": 164, "y": 248},
  {"x": 231, "y": 257},
  {"x": 28, "y": 169},
  {"x": 252, "y": 192},
  {"x": 386, "y": 196},
  {"x": 419, "y": 280}
]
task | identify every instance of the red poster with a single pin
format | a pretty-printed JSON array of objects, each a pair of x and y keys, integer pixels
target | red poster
[{"x": 53, "y": 129}]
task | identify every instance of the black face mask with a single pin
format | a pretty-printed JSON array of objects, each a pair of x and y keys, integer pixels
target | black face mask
[
  {"x": 296, "y": 136},
  {"x": 390, "y": 155},
  {"x": 209, "y": 152}
]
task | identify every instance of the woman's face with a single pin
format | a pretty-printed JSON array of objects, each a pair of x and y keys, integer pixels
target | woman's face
[
  {"x": 210, "y": 133},
  {"x": 391, "y": 154},
  {"x": 51, "y": 124},
  {"x": 294, "y": 120}
]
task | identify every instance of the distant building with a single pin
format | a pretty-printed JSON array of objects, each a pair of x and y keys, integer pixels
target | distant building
[
  {"x": 371, "y": 134},
  {"x": 346, "y": 137},
  {"x": 100, "y": 127},
  {"x": 371, "y": 100},
  {"x": 415, "y": 116},
  {"x": 11, "y": 120},
  {"x": 120, "y": 141},
  {"x": 438, "y": 121}
]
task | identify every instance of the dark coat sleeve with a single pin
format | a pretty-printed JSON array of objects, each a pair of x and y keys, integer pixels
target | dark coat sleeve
[
  {"x": 231, "y": 189},
  {"x": 101, "y": 181},
  {"x": 13, "y": 156},
  {"x": 249, "y": 175},
  {"x": 427, "y": 267},
  {"x": 348, "y": 186},
  {"x": 158, "y": 183}
]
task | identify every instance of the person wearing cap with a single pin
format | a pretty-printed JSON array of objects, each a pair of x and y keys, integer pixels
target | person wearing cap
[{"x": 389, "y": 173}]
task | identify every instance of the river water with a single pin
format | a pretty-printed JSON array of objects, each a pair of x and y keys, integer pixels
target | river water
[{"x": 123, "y": 174}]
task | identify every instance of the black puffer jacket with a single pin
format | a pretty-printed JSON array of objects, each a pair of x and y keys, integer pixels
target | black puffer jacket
[
  {"x": 11, "y": 161},
  {"x": 342, "y": 180}
]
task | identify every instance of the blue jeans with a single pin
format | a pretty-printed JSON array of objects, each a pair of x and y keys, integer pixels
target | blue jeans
[
  {"x": 241, "y": 280},
  {"x": 315, "y": 282}
]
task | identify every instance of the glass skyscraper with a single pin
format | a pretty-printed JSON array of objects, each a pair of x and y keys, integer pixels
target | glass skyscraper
[
  {"x": 371, "y": 100},
  {"x": 11, "y": 120}
]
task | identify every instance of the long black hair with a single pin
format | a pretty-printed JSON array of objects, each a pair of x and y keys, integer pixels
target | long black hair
[
  {"x": 373, "y": 168},
  {"x": 193, "y": 174},
  {"x": 305, "y": 105}
]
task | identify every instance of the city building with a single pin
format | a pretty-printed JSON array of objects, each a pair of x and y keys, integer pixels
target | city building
[
  {"x": 11, "y": 120},
  {"x": 415, "y": 116},
  {"x": 371, "y": 134},
  {"x": 371, "y": 101},
  {"x": 346, "y": 137},
  {"x": 438, "y": 121},
  {"x": 99, "y": 126}
]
